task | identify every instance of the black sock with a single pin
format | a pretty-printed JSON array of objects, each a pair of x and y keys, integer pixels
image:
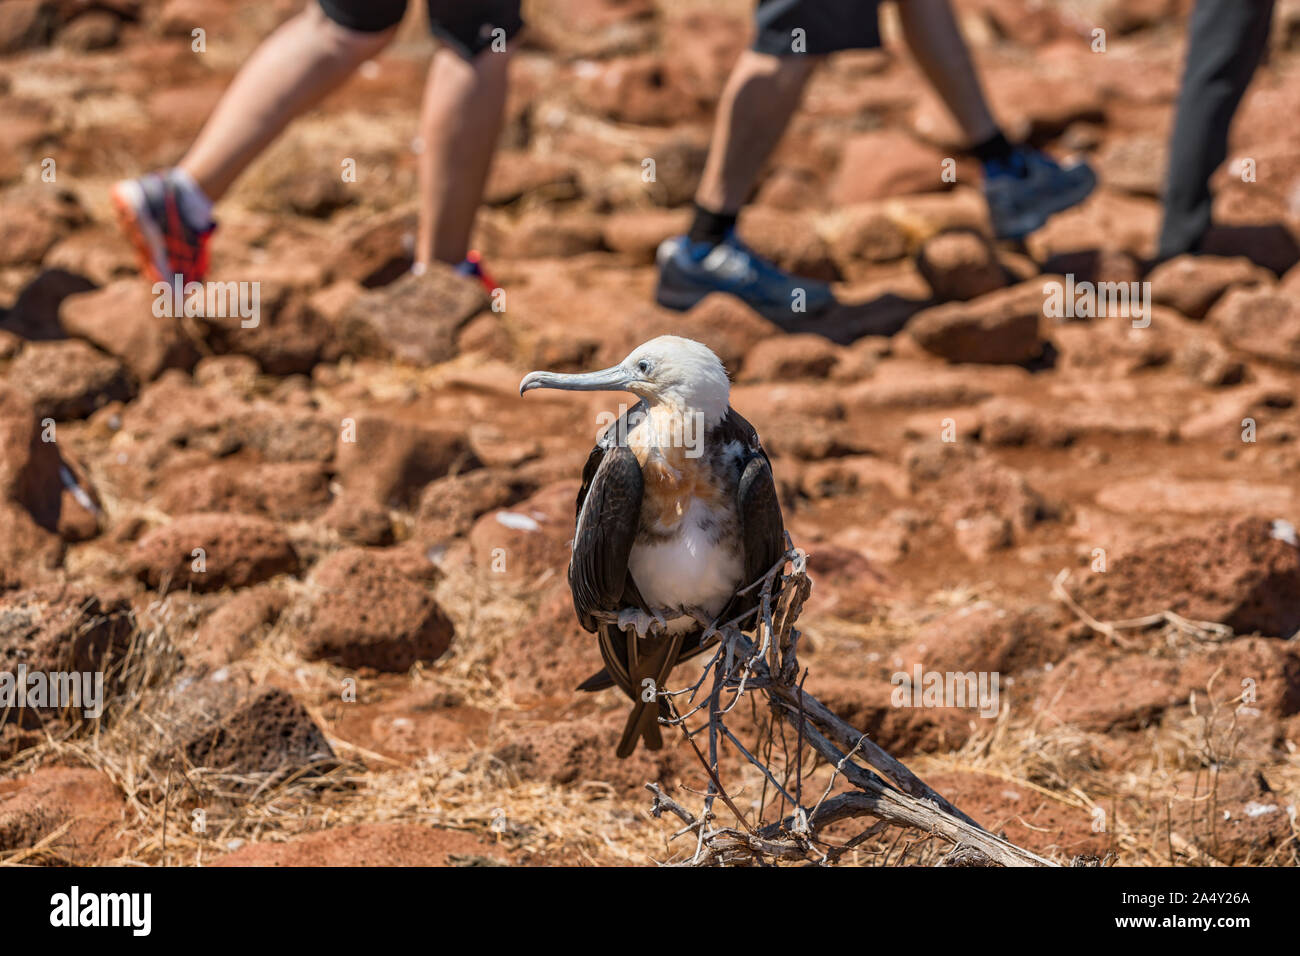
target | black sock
[
  {"x": 994, "y": 149},
  {"x": 710, "y": 227}
]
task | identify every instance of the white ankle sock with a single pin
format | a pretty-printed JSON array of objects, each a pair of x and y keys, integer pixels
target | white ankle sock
[{"x": 196, "y": 207}]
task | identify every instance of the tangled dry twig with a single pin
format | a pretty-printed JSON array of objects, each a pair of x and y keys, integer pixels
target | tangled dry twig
[{"x": 766, "y": 668}]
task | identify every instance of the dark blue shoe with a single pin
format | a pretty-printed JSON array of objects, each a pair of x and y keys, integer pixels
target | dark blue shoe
[
  {"x": 1029, "y": 188},
  {"x": 690, "y": 271}
]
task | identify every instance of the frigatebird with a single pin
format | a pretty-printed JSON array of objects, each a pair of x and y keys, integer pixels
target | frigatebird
[{"x": 678, "y": 513}]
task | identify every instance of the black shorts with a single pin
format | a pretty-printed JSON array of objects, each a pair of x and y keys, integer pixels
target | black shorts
[
  {"x": 467, "y": 26},
  {"x": 826, "y": 25}
]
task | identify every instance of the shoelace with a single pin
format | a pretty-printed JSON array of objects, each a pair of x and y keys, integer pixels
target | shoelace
[
  {"x": 758, "y": 266},
  {"x": 730, "y": 262}
]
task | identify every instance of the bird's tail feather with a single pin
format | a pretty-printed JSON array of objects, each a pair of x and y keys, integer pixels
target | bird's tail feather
[
  {"x": 690, "y": 648},
  {"x": 643, "y": 722}
]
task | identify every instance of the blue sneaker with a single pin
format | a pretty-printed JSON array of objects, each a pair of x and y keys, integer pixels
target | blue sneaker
[
  {"x": 1029, "y": 188},
  {"x": 689, "y": 271}
]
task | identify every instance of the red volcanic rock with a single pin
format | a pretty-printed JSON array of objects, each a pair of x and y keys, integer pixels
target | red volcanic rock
[
  {"x": 28, "y": 552},
  {"x": 1263, "y": 322},
  {"x": 1106, "y": 264},
  {"x": 1135, "y": 165},
  {"x": 869, "y": 705},
  {"x": 232, "y": 629},
  {"x": 637, "y": 233},
  {"x": 1193, "y": 284},
  {"x": 288, "y": 336},
  {"x": 788, "y": 240},
  {"x": 235, "y": 551},
  {"x": 1245, "y": 824},
  {"x": 960, "y": 265},
  {"x": 450, "y": 505},
  {"x": 178, "y": 423},
  {"x": 285, "y": 491},
  {"x": 67, "y": 379},
  {"x": 572, "y": 752},
  {"x": 1129, "y": 16},
  {"x": 389, "y": 461},
  {"x": 1115, "y": 349},
  {"x": 1245, "y": 574},
  {"x": 999, "y": 328},
  {"x": 862, "y": 235},
  {"x": 1102, "y": 689},
  {"x": 981, "y": 637},
  {"x": 44, "y": 495},
  {"x": 1037, "y": 106},
  {"x": 251, "y": 736},
  {"x": 49, "y": 629},
  {"x": 927, "y": 214},
  {"x": 991, "y": 507},
  {"x": 74, "y": 812},
  {"x": 1210, "y": 363},
  {"x": 413, "y": 320},
  {"x": 516, "y": 175},
  {"x": 1023, "y": 815},
  {"x": 358, "y": 520},
  {"x": 368, "y": 612},
  {"x": 642, "y": 89},
  {"x": 551, "y": 654},
  {"x": 988, "y": 505},
  {"x": 370, "y": 844},
  {"x": 883, "y": 164},
  {"x": 849, "y": 474},
  {"x": 549, "y": 235},
  {"x": 281, "y": 434},
  {"x": 376, "y": 251},
  {"x": 35, "y": 220},
  {"x": 94, "y": 30},
  {"x": 97, "y": 253},
  {"x": 528, "y": 540},
  {"x": 790, "y": 357},
  {"x": 705, "y": 45},
  {"x": 119, "y": 319},
  {"x": 25, "y": 24},
  {"x": 1010, "y": 421},
  {"x": 178, "y": 17},
  {"x": 592, "y": 28},
  {"x": 848, "y": 585}
]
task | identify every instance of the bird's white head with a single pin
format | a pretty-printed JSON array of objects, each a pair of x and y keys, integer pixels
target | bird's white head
[{"x": 669, "y": 370}]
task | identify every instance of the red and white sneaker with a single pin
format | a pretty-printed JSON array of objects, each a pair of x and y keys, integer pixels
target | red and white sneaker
[{"x": 149, "y": 211}]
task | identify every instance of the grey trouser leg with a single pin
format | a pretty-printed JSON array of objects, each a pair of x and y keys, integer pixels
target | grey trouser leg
[{"x": 1227, "y": 40}]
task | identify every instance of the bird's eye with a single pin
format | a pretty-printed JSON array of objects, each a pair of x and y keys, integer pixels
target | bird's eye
[{"x": 643, "y": 367}]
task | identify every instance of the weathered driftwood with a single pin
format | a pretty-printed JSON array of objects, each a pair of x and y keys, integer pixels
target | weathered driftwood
[{"x": 768, "y": 664}]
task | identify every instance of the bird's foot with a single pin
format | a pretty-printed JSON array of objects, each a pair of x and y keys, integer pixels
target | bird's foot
[{"x": 638, "y": 620}]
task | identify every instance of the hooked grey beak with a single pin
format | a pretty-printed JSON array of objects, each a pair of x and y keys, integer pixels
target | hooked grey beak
[{"x": 616, "y": 379}]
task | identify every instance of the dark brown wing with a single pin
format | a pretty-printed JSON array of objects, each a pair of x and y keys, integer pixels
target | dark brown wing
[
  {"x": 602, "y": 541},
  {"x": 608, "y": 515},
  {"x": 762, "y": 529}
]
